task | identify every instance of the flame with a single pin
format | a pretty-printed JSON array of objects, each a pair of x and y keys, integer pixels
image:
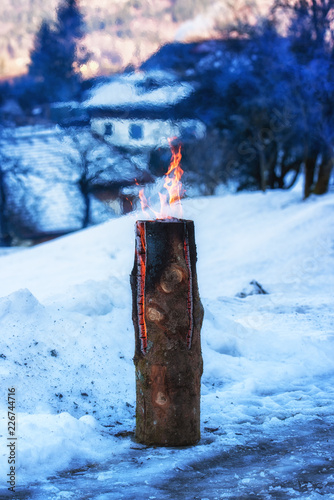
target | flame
[
  {"x": 170, "y": 203},
  {"x": 143, "y": 200},
  {"x": 174, "y": 184}
]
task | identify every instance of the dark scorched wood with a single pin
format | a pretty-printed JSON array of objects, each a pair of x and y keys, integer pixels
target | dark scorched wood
[{"x": 167, "y": 317}]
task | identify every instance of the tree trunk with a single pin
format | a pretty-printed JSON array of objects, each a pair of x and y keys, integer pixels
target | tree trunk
[
  {"x": 324, "y": 176},
  {"x": 263, "y": 171},
  {"x": 167, "y": 317},
  {"x": 310, "y": 163},
  {"x": 272, "y": 162},
  {"x": 86, "y": 217}
]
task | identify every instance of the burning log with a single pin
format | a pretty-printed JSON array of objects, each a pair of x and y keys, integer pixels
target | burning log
[{"x": 167, "y": 317}]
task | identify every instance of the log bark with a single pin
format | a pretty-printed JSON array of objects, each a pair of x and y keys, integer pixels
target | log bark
[{"x": 167, "y": 317}]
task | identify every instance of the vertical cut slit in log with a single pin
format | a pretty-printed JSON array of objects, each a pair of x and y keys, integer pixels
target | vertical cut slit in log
[
  {"x": 141, "y": 270},
  {"x": 167, "y": 317},
  {"x": 190, "y": 303}
]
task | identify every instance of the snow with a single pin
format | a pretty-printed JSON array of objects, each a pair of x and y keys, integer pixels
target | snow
[
  {"x": 199, "y": 24},
  {"x": 130, "y": 90},
  {"x": 267, "y": 388}
]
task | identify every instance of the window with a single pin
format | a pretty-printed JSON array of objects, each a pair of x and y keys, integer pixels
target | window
[
  {"x": 108, "y": 129},
  {"x": 136, "y": 131}
]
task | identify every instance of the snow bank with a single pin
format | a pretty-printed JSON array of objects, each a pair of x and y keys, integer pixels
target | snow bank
[{"x": 67, "y": 337}]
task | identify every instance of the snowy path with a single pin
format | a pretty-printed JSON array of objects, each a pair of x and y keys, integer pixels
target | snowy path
[
  {"x": 268, "y": 384},
  {"x": 296, "y": 463}
]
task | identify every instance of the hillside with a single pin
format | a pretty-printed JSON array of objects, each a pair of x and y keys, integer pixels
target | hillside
[{"x": 119, "y": 33}]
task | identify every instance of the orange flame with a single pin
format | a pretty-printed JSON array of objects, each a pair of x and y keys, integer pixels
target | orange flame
[
  {"x": 171, "y": 209},
  {"x": 174, "y": 184}
]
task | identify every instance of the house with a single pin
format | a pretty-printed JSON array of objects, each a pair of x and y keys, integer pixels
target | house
[{"x": 140, "y": 111}]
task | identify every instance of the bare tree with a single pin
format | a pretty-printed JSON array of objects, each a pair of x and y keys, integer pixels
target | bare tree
[
  {"x": 312, "y": 20},
  {"x": 311, "y": 34}
]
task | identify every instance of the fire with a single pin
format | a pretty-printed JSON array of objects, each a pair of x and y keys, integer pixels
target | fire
[
  {"x": 173, "y": 182},
  {"x": 170, "y": 203}
]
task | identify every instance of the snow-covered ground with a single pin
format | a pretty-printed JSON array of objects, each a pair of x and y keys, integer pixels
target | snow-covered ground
[{"x": 267, "y": 390}]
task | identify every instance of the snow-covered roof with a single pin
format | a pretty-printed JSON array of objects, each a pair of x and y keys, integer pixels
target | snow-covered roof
[
  {"x": 42, "y": 169},
  {"x": 155, "y": 88},
  {"x": 41, "y": 187}
]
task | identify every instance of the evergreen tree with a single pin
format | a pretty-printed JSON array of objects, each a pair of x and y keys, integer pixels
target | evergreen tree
[{"x": 58, "y": 54}]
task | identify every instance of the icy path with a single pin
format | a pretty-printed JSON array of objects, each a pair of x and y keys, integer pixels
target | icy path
[{"x": 295, "y": 462}]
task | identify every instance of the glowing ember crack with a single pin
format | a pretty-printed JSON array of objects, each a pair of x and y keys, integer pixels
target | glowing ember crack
[
  {"x": 141, "y": 270},
  {"x": 190, "y": 300}
]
